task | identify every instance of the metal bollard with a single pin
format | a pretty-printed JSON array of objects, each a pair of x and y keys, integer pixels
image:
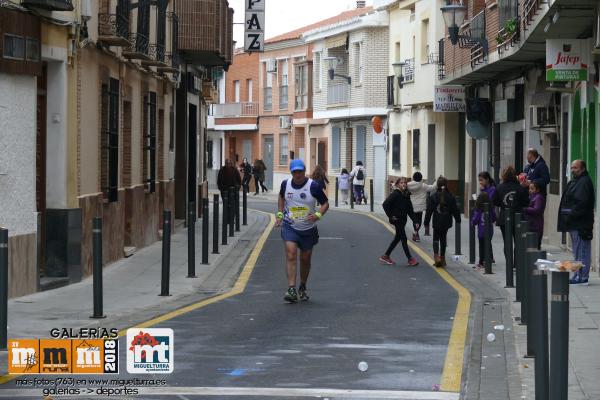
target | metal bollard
[
  {"x": 337, "y": 188},
  {"x": 225, "y": 223},
  {"x": 97, "y": 278},
  {"x": 3, "y": 288},
  {"x": 237, "y": 209},
  {"x": 530, "y": 241},
  {"x": 192, "y": 240},
  {"x": 245, "y": 207},
  {"x": 351, "y": 195},
  {"x": 371, "y": 194},
  {"x": 215, "y": 249},
  {"x": 508, "y": 247},
  {"x": 457, "y": 237},
  {"x": 487, "y": 237},
  {"x": 231, "y": 211},
  {"x": 559, "y": 336},
  {"x": 530, "y": 257},
  {"x": 472, "y": 240},
  {"x": 205, "y": 222},
  {"x": 539, "y": 322},
  {"x": 166, "y": 254},
  {"x": 517, "y": 255}
]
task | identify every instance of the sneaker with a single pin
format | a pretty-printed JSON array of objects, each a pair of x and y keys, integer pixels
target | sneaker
[
  {"x": 291, "y": 296},
  {"x": 574, "y": 281},
  {"x": 479, "y": 267},
  {"x": 412, "y": 262},
  {"x": 303, "y": 294},
  {"x": 584, "y": 282},
  {"x": 386, "y": 260}
]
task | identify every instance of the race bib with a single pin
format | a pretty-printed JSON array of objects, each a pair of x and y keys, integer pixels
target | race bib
[{"x": 299, "y": 212}]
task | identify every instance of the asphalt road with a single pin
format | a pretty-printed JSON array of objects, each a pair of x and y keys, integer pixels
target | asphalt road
[{"x": 395, "y": 318}]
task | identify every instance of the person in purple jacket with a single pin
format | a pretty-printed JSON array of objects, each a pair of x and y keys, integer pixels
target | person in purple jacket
[
  {"x": 535, "y": 211},
  {"x": 487, "y": 184},
  {"x": 479, "y": 222}
]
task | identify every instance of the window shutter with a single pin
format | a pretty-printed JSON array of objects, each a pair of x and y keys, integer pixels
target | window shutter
[
  {"x": 416, "y": 147},
  {"x": 335, "y": 147},
  {"x": 390, "y": 90}
]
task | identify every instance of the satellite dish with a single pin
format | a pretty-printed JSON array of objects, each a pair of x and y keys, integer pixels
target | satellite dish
[{"x": 477, "y": 130}]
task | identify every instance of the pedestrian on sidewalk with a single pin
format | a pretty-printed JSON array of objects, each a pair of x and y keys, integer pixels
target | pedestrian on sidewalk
[
  {"x": 358, "y": 176},
  {"x": 487, "y": 184},
  {"x": 535, "y": 211},
  {"x": 536, "y": 171},
  {"x": 319, "y": 176},
  {"x": 344, "y": 185},
  {"x": 228, "y": 177},
  {"x": 259, "y": 176},
  {"x": 442, "y": 206},
  {"x": 297, "y": 216},
  {"x": 576, "y": 216},
  {"x": 246, "y": 169},
  {"x": 398, "y": 208},
  {"x": 418, "y": 196},
  {"x": 479, "y": 221}
]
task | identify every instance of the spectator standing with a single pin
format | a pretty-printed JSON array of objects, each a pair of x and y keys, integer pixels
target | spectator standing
[
  {"x": 344, "y": 184},
  {"x": 442, "y": 206},
  {"x": 487, "y": 184},
  {"x": 576, "y": 216},
  {"x": 535, "y": 211},
  {"x": 418, "y": 196},
  {"x": 246, "y": 169},
  {"x": 509, "y": 194},
  {"x": 320, "y": 177},
  {"x": 228, "y": 176},
  {"x": 536, "y": 171},
  {"x": 259, "y": 176},
  {"x": 359, "y": 176},
  {"x": 479, "y": 221}
]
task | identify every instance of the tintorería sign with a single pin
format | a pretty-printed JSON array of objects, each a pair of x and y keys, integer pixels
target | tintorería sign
[
  {"x": 566, "y": 60},
  {"x": 449, "y": 98},
  {"x": 254, "y": 21}
]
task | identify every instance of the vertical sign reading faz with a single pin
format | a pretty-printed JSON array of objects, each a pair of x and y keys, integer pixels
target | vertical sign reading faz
[{"x": 254, "y": 31}]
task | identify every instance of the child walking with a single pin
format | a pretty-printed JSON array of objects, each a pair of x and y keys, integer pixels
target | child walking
[
  {"x": 398, "y": 208},
  {"x": 479, "y": 221},
  {"x": 344, "y": 185},
  {"x": 442, "y": 206},
  {"x": 535, "y": 211}
]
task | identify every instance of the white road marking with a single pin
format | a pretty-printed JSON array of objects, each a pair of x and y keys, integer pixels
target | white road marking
[{"x": 267, "y": 392}]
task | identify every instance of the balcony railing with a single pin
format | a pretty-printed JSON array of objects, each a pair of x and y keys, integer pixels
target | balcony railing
[
  {"x": 50, "y": 5},
  {"x": 268, "y": 106},
  {"x": 409, "y": 70},
  {"x": 337, "y": 93},
  {"x": 113, "y": 29},
  {"x": 156, "y": 55},
  {"x": 283, "y": 97},
  {"x": 236, "y": 110},
  {"x": 138, "y": 48}
]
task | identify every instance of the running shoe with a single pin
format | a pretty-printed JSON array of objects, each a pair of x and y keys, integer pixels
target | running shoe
[
  {"x": 386, "y": 260},
  {"x": 584, "y": 282},
  {"x": 291, "y": 296},
  {"x": 412, "y": 262},
  {"x": 303, "y": 294}
]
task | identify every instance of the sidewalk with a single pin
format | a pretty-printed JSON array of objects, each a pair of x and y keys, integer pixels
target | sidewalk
[
  {"x": 584, "y": 332},
  {"x": 132, "y": 285}
]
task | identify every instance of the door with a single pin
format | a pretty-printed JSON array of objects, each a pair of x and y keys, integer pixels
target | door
[
  {"x": 268, "y": 149},
  {"x": 322, "y": 155},
  {"x": 40, "y": 166},
  {"x": 232, "y": 146},
  {"x": 349, "y": 159},
  {"x": 431, "y": 152}
]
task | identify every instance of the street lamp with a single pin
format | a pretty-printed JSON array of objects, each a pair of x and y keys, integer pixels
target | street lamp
[
  {"x": 454, "y": 16},
  {"x": 332, "y": 63},
  {"x": 398, "y": 73}
]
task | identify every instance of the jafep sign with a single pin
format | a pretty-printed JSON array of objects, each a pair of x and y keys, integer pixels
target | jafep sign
[
  {"x": 566, "y": 60},
  {"x": 254, "y": 31},
  {"x": 449, "y": 98}
]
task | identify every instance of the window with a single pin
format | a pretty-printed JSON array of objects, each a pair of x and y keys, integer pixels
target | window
[
  {"x": 361, "y": 143},
  {"x": 390, "y": 90},
  {"x": 236, "y": 89},
  {"x": 283, "y": 86},
  {"x": 508, "y": 9},
  {"x": 268, "y": 90},
  {"x": 14, "y": 47},
  {"x": 209, "y": 154},
  {"x": 149, "y": 142},
  {"x": 283, "y": 149},
  {"x": 396, "y": 151},
  {"x": 358, "y": 63},
  {"x": 317, "y": 70},
  {"x": 425, "y": 41},
  {"x": 301, "y": 72},
  {"x": 284, "y": 73},
  {"x": 109, "y": 155},
  {"x": 336, "y": 141},
  {"x": 249, "y": 89},
  {"x": 416, "y": 145}
]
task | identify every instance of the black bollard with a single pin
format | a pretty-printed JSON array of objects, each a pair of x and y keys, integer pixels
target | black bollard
[
  {"x": 166, "y": 254},
  {"x": 530, "y": 258},
  {"x": 237, "y": 208},
  {"x": 530, "y": 242},
  {"x": 231, "y": 211},
  {"x": 97, "y": 278},
  {"x": 457, "y": 237},
  {"x": 517, "y": 254},
  {"x": 472, "y": 241},
  {"x": 351, "y": 195},
  {"x": 205, "y": 222},
  {"x": 245, "y": 206},
  {"x": 191, "y": 240},
  {"x": 371, "y": 194},
  {"x": 216, "y": 221},
  {"x": 508, "y": 247},
  {"x": 337, "y": 188},
  {"x": 3, "y": 288},
  {"x": 539, "y": 322},
  {"x": 225, "y": 196},
  {"x": 559, "y": 336},
  {"x": 487, "y": 238}
]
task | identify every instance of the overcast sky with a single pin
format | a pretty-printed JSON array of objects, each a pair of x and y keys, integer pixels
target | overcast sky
[{"x": 286, "y": 15}]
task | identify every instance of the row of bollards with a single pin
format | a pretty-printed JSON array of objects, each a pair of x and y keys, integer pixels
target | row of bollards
[{"x": 337, "y": 188}]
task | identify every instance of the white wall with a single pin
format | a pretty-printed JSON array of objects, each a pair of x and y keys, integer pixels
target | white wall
[{"x": 17, "y": 161}]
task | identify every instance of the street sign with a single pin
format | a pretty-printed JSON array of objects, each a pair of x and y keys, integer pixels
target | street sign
[
  {"x": 254, "y": 31},
  {"x": 449, "y": 98},
  {"x": 566, "y": 60}
]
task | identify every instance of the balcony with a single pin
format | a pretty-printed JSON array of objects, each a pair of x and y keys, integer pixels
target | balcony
[
  {"x": 156, "y": 56},
  {"x": 172, "y": 61},
  {"x": 337, "y": 94},
  {"x": 113, "y": 29},
  {"x": 50, "y": 5},
  {"x": 138, "y": 47},
  {"x": 236, "y": 110}
]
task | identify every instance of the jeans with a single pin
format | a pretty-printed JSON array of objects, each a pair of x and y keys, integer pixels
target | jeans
[
  {"x": 439, "y": 241},
  {"x": 582, "y": 251},
  {"x": 359, "y": 191}
]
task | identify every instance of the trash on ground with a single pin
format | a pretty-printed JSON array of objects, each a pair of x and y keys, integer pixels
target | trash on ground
[
  {"x": 491, "y": 337},
  {"x": 436, "y": 387},
  {"x": 363, "y": 366},
  {"x": 499, "y": 327}
]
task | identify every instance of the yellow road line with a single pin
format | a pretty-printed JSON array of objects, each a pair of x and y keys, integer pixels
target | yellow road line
[{"x": 238, "y": 287}]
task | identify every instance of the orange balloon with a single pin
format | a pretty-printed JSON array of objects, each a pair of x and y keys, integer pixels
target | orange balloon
[{"x": 377, "y": 124}]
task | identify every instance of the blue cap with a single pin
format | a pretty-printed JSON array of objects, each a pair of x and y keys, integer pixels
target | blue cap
[{"x": 297, "y": 165}]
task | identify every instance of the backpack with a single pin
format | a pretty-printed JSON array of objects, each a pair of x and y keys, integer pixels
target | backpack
[{"x": 360, "y": 175}]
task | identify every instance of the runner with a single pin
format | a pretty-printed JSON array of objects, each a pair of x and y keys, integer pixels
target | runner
[{"x": 297, "y": 217}]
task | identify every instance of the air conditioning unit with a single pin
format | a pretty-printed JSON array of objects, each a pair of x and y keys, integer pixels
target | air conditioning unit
[
  {"x": 541, "y": 116},
  {"x": 272, "y": 66},
  {"x": 285, "y": 122}
]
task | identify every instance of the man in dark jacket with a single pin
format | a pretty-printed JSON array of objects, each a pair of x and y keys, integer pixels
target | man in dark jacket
[
  {"x": 576, "y": 216},
  {"x": 228, "y": 177},
  {"x": 537, "y": 171}
]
